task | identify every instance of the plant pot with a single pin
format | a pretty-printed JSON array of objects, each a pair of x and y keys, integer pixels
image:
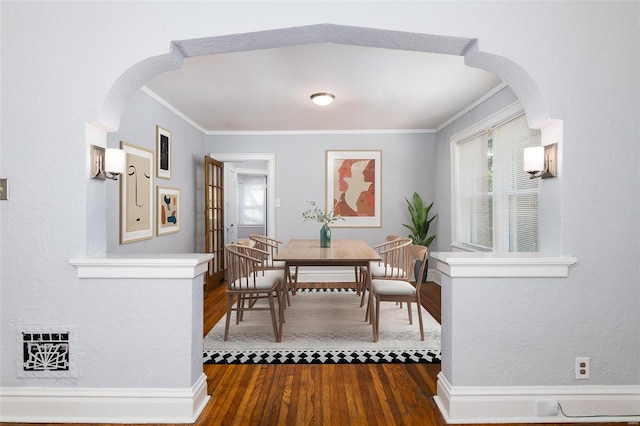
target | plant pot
[
  {"x": 325, "y": 236},
  {"x": 416, "y": 270}
]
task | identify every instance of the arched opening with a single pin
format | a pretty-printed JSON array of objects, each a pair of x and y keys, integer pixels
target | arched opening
[{"x": 512, "y": 74}]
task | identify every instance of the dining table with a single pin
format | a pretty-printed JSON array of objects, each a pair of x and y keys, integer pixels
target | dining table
[{"x": 341, "y": 252}]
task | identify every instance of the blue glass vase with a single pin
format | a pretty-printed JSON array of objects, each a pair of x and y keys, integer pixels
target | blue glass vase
[{"x": 325, "y": 236}]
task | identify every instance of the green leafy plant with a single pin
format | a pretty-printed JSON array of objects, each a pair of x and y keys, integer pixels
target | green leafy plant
[
  {"x": 319, "y": 215},
  {"x": 420, "y": 221}
]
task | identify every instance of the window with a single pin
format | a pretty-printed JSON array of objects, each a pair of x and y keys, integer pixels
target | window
[
  {"x": 252, "y": 192},
  {"x": 495, "y": 202}
]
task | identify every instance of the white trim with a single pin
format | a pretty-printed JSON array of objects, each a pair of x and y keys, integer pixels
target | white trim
[
  {"x": 489, "y": 264},
  {"x": 318, "y": 132},
  {"x": 505, "y": 114},
  {"x": 103, "y": 405},
  {"x": 474, "y": 104},
  {"x": 171, "y": 108},
  {"x": 506, "y": 404},
  {"x": 178, "y": 265},
  {"x": 270, "y": 158}
]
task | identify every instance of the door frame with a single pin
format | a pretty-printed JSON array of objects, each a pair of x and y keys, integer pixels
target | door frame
[{"x": 270, "y": 159}]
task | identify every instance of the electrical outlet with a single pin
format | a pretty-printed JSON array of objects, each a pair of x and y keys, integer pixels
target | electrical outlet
[
  {"x": 583, "y": 368},
  {"x": 547, "y": 408}
]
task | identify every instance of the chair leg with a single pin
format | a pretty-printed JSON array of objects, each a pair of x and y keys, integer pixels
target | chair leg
[
  {"x": 239, "y": 308},
  {"x": 286, "y": 287},
  {"x": 364, "y": 290},
  {"x": 410, "y": 313},
  {"x": 419, "y": 307},
  {"x": 273, "y": 317},
  {"x": 281, "y": 307},
  {"x": 377, "y": 320},
  {"x": 228, "y": 320}
]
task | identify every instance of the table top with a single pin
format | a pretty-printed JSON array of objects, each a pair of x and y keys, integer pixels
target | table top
[{"x": 341, "y": 252}]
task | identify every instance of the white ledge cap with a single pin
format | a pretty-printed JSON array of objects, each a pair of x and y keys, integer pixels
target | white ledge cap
[
  {"x": 483, "y": 264},
  {"x": 174, "y": 265}
]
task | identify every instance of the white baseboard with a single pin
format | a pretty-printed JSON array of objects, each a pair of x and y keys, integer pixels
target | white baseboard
[
  {"x": 103, "y": 405},
  {"x": 590, "y": 404}
]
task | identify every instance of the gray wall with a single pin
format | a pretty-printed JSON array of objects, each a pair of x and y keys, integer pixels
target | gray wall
[
  {"x": 138, "y": 126},
  {"x": 586, "y": 68},
  {"x": 408, "y": 163}
]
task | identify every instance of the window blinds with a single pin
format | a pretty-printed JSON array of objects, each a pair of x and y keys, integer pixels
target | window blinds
[
  {"x": 515, "y": 196},
  {"x": 251, "y": 200},
  {"x": 497, "y": 203}
]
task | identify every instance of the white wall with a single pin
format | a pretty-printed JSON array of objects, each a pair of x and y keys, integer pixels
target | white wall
[{"x": 60, "y": 61}]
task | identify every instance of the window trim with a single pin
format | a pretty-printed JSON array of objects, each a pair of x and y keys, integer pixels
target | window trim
[{"x": 505, "y": 114}]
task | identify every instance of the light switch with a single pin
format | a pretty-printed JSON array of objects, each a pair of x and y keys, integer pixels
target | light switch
[{"x": 4, "y": 189}]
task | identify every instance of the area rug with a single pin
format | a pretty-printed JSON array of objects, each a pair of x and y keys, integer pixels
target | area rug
[{"x": 325, "y": 326}]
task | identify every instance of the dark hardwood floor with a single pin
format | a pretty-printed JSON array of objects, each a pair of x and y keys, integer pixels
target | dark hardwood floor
[{"x": 365, "y": 394}]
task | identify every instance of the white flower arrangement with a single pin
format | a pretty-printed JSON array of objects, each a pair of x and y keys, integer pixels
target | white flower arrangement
[{"x": 320, "y": 215}]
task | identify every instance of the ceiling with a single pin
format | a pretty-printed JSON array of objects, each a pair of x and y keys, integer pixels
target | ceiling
[{"x": 268, "y": 90}]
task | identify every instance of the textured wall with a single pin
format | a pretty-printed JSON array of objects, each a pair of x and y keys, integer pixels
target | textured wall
[{"x": 60, "y": 61}]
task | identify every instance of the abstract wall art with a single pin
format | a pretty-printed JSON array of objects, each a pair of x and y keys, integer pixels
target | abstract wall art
[
  {"x": 168, "y": 210},
  {"x": 136, "y": 194},
  {"x": 163, "y": 153},
  {"x": 353, "y": 187}
]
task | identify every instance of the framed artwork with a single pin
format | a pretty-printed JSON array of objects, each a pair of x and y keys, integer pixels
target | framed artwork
[
  {"x": 353, "y": 187},
  {"x": 136, "y": 194},
  {"x": 163, "y": 153},
  {"x": 168, "y": 210}
]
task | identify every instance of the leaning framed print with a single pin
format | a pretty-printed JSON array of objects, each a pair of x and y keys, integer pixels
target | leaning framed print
[
  {"x": 136, "y": 194},
  {"x": 168, "y": 210},
  {"x": 353, "y": 187},
  {"x": 163, "y": 153}
]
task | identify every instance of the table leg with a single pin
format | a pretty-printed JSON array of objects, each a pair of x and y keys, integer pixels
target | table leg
[{"x": 293, "y": 280}]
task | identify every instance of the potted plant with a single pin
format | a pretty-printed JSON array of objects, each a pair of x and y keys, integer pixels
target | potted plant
[
  {"x": 326, "y": 218},
  {"x": 420, "y": 222}
]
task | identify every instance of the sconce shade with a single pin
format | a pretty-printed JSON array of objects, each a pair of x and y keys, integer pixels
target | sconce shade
[
  {"x": 115, "y": 161},
  {"x": 534, "y": 159},
  {"x": 107, "y": 163},
  {"x": 322, "y": 99}
]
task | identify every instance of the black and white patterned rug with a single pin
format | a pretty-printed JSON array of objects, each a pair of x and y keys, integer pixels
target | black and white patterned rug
[{"x": 325, "y": 326}]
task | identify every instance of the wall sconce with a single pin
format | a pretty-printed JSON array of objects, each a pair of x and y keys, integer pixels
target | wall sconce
[
  {"x": 540, "y": 161},
  {"x": 107, "y": 164}
]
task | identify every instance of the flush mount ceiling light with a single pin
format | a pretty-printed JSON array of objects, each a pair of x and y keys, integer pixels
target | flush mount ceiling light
[{"x": 322, "y": 99}]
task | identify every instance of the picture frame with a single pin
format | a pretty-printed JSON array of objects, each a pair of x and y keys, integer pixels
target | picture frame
[
  {"x": 353, "y": 183},
  {"x": 136, "y": 194},
  {"x": 163, "y": 153},
  {"x": 168, "y": 210}
]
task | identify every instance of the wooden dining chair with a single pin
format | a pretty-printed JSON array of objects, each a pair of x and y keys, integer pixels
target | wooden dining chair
[
  {"x": 393, "y": 265},
  {"x": 393, "y": 290},
  {"x": 247, "y": 283},
  {"x": 271, "y": 246}
]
